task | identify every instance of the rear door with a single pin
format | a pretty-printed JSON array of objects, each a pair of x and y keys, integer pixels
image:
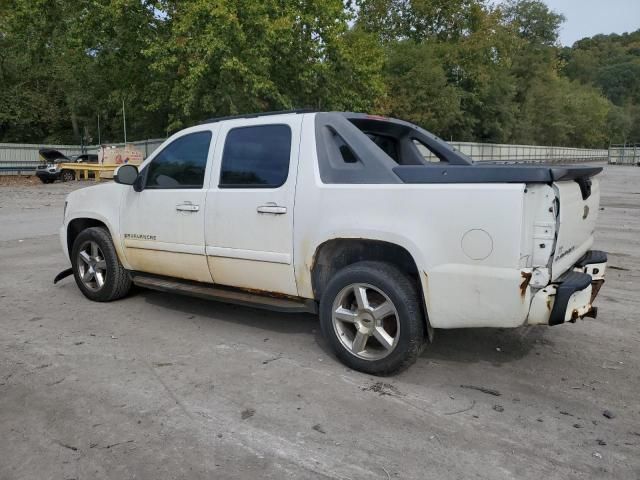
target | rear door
[{"x": 249, "y": 223}]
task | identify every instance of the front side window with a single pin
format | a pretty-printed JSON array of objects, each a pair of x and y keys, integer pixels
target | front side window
[
  {"x": 181, "y": 164},
  {"x": 256, "y": 157}
]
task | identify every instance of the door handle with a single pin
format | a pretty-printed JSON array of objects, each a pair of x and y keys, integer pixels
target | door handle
[
  {"x": 272, "y": 208},
  {"x": 187, "y": 207}
]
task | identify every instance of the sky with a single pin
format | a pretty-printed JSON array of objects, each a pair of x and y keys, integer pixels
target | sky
[{"x": 585, "y": 18}]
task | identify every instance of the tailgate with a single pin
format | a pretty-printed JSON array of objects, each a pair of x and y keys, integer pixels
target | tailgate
[{"x": 576, "y": 223}]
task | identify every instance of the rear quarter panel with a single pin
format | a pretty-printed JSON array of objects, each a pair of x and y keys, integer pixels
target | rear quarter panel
[{"x": 430, "y": 222}]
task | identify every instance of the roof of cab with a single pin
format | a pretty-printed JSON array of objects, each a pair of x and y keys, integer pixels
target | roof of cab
[{"x": 256, "y": 115}]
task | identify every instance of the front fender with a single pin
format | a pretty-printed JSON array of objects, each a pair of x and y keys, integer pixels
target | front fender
[{"x": 100, "y": 203}]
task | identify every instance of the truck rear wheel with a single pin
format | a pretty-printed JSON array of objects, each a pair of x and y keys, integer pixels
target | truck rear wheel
[
  {"x": 96, "y": 267},
  {"x": 371, "y": 317}
]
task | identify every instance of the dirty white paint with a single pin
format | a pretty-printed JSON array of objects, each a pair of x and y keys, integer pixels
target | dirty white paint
[
  {"x": 577, "y": 222},
  {"x": 248, "y": 248},
  {"x": 475, "y": 245}
]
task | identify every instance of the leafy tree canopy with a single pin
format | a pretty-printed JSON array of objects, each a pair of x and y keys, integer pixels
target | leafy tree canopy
[{"x": 465, "y": 69}]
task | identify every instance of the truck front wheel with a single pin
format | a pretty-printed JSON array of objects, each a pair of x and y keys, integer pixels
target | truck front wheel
[
  {"x": 96, "y": 267},
  {"x": 371, "y": 317}
]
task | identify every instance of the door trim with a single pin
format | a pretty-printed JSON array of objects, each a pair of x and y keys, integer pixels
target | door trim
[
  {"x": 256, "y": 255},
  {"x": 164, "y": 246}
]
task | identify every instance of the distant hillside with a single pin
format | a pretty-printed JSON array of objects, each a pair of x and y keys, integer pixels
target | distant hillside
[{"x": 612, "y": 64}]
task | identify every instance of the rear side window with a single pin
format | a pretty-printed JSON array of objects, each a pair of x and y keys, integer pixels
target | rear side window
[
  {"x": 256, "y": 157},
  {"x": 345, "y": 150},
  {"x": 427, "y": 154},
  {"x": 181, "y": 164}
]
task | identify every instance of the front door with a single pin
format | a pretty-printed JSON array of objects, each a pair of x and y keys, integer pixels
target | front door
[
  {"x": 163, "y": 225},
  {"x": 249, "y": 224}
]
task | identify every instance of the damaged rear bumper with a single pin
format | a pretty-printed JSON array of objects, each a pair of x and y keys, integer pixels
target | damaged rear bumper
[{"x": 572, "y": 296}]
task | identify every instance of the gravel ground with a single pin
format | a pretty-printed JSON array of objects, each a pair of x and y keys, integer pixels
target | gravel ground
[{"x": 162, "y": 386}]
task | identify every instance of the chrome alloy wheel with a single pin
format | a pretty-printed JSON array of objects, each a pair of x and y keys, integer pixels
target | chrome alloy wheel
[
  {"x": 91, "y": 266},
  {"x": 366, "y": 321}
]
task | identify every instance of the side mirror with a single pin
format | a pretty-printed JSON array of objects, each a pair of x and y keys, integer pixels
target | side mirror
[{"x": 126, "y": 174}]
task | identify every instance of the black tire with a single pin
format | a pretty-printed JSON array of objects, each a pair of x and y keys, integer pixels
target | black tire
[
  {"x": 67, "y": 176},
  {"x": 45, "y": 180},
  {"x": 116, "y": 280},
  {"x": 401, "y": 291}
]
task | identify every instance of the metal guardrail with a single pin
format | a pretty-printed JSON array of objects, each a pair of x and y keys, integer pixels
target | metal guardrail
[
  {"x": 22, "y": 158},
  {"x": 504, "y": 153},
  {"x": 625, "y": 154}
]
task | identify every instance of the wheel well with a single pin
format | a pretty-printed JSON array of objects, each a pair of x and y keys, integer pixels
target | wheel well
[
  {"x": 336, "y": 254},
  {"x": 77, "y": 225}
]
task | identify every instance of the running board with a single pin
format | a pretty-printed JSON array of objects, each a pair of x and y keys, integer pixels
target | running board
[{"x": 227, "y": 295}]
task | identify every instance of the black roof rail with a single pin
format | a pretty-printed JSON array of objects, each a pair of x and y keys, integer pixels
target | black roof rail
[{"x": 256, "y": 115}]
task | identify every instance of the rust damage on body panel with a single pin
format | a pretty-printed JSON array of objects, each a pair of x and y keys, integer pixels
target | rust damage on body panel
[
  {"x": 574, "y": 315},
  {"x": 303, "y": 275},
  {"x": 526, "y": 278},
  {"x": 185, "y": 266},
  {"x": 267, "y": 293},
  {"x": 427, "y": 303},
  {"x": 426, "y": 288}
]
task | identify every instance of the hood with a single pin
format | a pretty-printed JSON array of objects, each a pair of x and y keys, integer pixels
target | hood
[{"x": 51, "y": 155}]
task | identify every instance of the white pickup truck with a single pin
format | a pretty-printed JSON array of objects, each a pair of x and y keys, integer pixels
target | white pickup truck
[{"x": 377, "y": 225}]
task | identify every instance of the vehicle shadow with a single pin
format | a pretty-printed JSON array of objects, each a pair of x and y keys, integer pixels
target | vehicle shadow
[
  {"x": 266, "y": 320},
  {"x": 494, "y": 345},
  {"x": 470, "y": 345}
]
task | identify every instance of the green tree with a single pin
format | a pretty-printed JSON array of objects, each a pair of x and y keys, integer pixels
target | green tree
[
  {"x": 418, "y": 20},
  {"x": 69, "y": 61},
  {"x": 234, "y": 57},
  {"x": 421, "y": 92},
  {"x": 534, "y": 21},
  {"x": 611, "y": 63},
  {"x": 481, "y": 65},
  {"x": 466, "y": 69}
]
